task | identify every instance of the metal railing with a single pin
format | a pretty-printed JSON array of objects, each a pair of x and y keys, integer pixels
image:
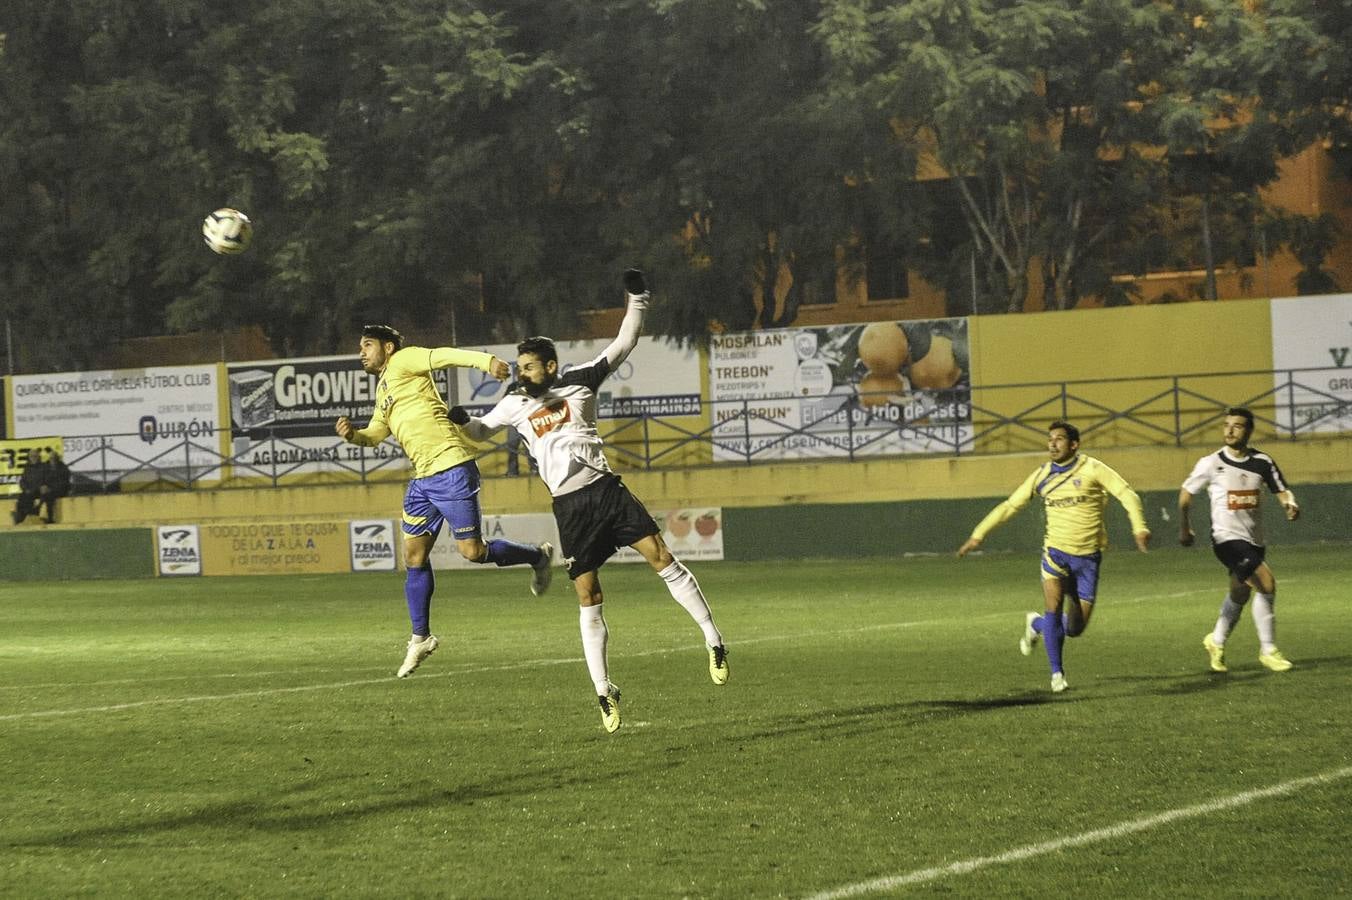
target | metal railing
[{"x": 1167, "y": 410}]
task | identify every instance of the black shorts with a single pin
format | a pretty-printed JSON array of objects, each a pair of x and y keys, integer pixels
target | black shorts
[
  {"x": 1240, "y": 557},
  {"x": 597, "y": 520}
]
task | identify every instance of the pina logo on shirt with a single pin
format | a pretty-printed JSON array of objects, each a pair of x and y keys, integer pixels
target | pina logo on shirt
[
  {"x": 550, "y": 416},
  {"x": 1242, "y": 500}
]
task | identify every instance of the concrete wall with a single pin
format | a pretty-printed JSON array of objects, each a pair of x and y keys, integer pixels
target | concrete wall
[
  {"x": 896, "y": 480},
  {"x": 826, "y": 509}
]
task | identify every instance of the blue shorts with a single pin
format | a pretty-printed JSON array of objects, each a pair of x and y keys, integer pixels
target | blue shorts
[
  {"x": 451, "y": 496},
  {"x": 1082, "y": 572}
]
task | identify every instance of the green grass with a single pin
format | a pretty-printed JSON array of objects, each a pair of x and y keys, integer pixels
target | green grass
[{"x": 245, "y": 737}]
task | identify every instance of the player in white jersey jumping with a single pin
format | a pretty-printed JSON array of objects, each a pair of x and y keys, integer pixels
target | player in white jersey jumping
[
  {"x": 1234, "y": 477},
  {"x": 555, "y": 414}
]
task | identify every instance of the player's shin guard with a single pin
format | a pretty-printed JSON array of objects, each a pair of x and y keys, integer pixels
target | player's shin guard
[
  {"x": 592, "y": 623},
  {"x": 1053, "y": 637},
  {"x": 418, "y": 586},
  {"x": 508, "y": 553},
  {"x": 685, "y": 591}
]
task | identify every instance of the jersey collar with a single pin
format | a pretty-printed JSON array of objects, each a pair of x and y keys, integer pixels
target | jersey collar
[{"x": 1058, "y": 468}]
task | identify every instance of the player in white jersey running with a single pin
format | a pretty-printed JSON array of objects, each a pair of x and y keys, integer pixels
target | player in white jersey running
[
  {"x": 555, "y": 414},
  {"x": 1234, "y": 477}
]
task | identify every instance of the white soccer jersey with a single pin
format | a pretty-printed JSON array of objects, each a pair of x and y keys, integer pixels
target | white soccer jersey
[
  {"x": 559, "y": 427},
  {"x": 1235, "y": 488}
]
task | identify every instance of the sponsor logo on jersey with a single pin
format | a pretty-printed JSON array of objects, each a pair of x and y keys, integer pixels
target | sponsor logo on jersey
[
  {"x": 1242, "y": 499},
  {"x": 550, "y": 416}
]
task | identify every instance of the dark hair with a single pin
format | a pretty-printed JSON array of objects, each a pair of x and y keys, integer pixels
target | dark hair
[
  {"x": 1071, "y": 431},
  {"x": 1243, "y": 413},
  {"x": 383, "y": 333},
  {"x": 540, "y": 347}
]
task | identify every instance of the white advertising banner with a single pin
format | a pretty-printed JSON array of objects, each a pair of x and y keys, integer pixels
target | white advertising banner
[
  {"x": 521, "y": 528},
  {"x": 880, "y": 388},
  {"x": 116, "y": 420},
  {"x": 1313, "y": 334},
  {"x": 179, "y": 550},
  {"x": 372, "y": 544},
  {"x": 658, "y": 379},
  {"x": 690, "y": 533},
  {"x": 282, "y": 413}
]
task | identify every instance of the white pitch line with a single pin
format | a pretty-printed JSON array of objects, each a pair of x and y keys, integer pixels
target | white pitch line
[
  {"x": 262, "y": 692},
  {"x": 1121, "y": 829},
  {"x": 524, "y": 664}
]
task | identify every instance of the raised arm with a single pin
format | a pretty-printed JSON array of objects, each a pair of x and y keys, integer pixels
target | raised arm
[
  {"x": 448, "y": 357},
  {"x": 637, "y": 296},
  {"x": 478, "y": 428}
]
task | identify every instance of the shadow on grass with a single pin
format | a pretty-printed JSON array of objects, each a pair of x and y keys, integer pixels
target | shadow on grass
[
  {"x": 287, "y": 810},
  {"x": 1241, "y": 674},
  {"x": 849, "y": 721},
  {"x": 843, "y": 722}
]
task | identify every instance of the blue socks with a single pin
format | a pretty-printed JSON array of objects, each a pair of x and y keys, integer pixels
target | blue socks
[
  {"x": 1053, "y": 636},
  {"x": 507, "y": 553},
  {"x": 418, "y": 587},
  {"x": 419, "y": 583}
]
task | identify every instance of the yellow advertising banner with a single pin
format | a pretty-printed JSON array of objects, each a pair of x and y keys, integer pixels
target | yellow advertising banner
[
  {"x": 275, "y": 548},
  {"x": 15, "y": 454}
]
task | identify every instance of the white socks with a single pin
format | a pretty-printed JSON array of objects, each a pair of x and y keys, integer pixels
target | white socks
[
  {"x": 1265, "y": 620},
  {"x": 685, "y": 590},
  {"x": 1229, "y": 618},
  {"x": 594, "y": 634}
]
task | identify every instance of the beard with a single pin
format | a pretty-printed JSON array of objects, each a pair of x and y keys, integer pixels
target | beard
[{"x": 535, "y": 389}]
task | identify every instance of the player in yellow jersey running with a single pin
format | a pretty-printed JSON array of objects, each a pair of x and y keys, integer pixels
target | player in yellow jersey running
[
  {"x": 445, "y": 484},
  {"x": 1074, "y": 489}
]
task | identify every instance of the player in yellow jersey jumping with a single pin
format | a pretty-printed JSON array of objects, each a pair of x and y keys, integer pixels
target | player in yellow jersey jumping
[
  {"x": 1074, "y": 489},
  {"x": 445, "y": 483}
]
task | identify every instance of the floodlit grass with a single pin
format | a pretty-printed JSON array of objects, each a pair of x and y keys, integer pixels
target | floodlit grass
[{"x": 245, "y": 737}]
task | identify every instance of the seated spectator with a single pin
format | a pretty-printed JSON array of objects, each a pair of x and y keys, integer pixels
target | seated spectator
[
  {"x": 43, "y": 481},
  {"x": 56, "y": 484}
]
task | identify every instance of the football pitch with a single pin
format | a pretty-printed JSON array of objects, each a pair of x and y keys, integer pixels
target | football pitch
[{"x": 880, "y": 735}]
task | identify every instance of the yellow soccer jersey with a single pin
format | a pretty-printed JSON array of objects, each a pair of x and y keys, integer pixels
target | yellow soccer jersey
[
  {"x": 1074, "y": 497},
  {"x": 409, "y": 407}
]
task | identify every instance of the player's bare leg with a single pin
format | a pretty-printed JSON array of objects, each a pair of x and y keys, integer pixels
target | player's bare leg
[
  {"x": 509, "y": 553},
  {"x": 1078, "y": 612},
  {"x": 685, "y": 590}
]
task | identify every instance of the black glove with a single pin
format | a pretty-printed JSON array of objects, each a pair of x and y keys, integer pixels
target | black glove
[
  {"x": 634, "y": 283},
  {"x": 459, "y": 415}
]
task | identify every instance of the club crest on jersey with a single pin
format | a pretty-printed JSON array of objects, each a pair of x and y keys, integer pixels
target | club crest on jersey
[{"x": 550, "y": 416}]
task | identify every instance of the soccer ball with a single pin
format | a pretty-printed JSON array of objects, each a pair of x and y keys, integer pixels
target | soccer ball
[{"x": 227, "y": 231}]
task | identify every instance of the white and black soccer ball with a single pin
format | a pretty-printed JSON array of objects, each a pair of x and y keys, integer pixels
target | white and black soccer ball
[{"x": 227, "y": 231}]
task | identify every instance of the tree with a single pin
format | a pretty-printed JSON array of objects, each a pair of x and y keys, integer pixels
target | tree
[{"x": 1063, "y": 124}]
